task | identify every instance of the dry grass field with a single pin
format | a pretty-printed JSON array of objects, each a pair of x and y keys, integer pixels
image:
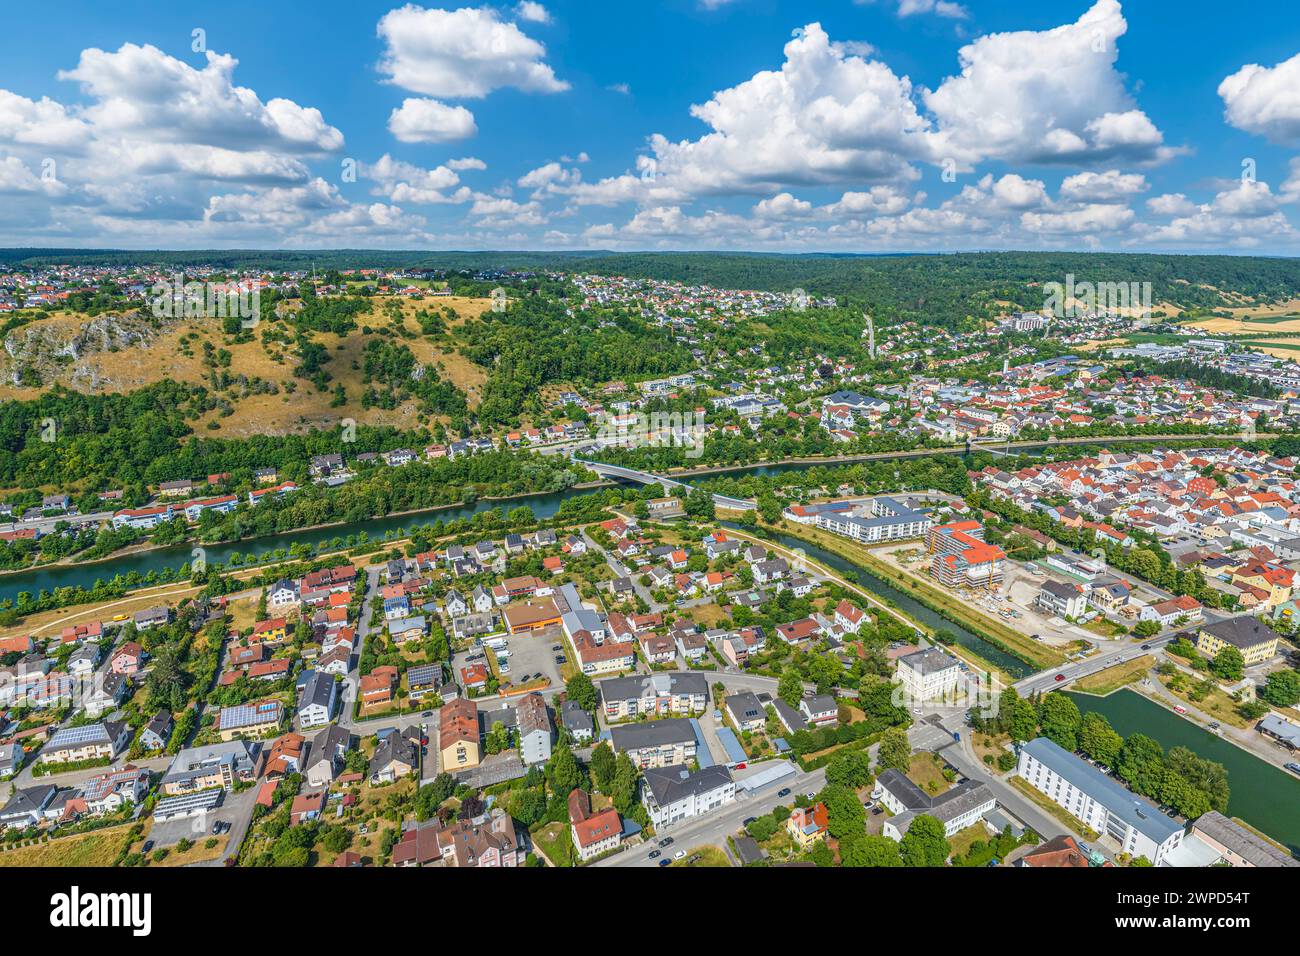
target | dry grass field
[{"x": 176, "y": 352}]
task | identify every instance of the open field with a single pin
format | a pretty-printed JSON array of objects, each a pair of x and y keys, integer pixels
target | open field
[
  {"x": 1283, "y": 349},
  {"x": 174, "y": 350},
  {"x": 1113, "y": 678},
  {"x": 48, "y": 623},
  {"x": 1282, "y": 317},
  {"x": 98, "y": 848},
  {"x": 704, "y": 856},
  {"x": 926, "y": 771},
  {"x": 1216, "y": 704}
]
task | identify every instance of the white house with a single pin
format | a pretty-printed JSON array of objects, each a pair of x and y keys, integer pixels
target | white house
[
  {"x": 674, "y": 793},
  {"x": 931, "y": 674},
  {"x": 1098, "y": 801}
]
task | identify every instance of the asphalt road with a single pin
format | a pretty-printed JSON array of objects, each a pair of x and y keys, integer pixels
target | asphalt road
[
  {"x": 1047, "y": 680},
  {"x": 714, "y": 828}
]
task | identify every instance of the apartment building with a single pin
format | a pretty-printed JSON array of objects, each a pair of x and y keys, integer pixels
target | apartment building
[
  {"x": 931, "y": 674},
  {"x": 656, "y": 743},
  {"x": 672, "y": 793},
  {"x": 1099, "y": 801}
]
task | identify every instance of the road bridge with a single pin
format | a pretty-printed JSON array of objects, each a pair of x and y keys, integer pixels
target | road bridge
[{"x": 646, "y": 478}]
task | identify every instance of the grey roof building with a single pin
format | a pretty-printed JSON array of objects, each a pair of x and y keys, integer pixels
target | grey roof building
[
  {"x": 673, "y": 793},
  {"x": 1101, "y": 802},
  {"x": 1237, "y": 845},
  {"x": 26, "y": 807},
  {"x": 534, "y": 729},
  {"x": 956, "y": 808},
  {"x": 656, "y": 743},
  {"x": 577, "y": 721},
  {"x": 929, "y": 661}
]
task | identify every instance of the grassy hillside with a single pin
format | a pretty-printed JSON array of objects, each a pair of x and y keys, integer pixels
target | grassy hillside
[{"x": 253, "y": 375}]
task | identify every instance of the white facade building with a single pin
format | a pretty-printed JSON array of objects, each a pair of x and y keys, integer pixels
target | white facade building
[{"x": 1099, "y": 801}]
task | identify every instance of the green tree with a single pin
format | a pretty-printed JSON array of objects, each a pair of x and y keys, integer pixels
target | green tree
[
  {"x": 1141, "y": 764},
  {"x": 844, "y": 812},
  {"x": 625, "y": 776},
  {"x": 895, "y": 751},
  {"x": 1098, "y": 739},
  {"x": 1282, "y": 689},
  {"x": 1228, "y": 664},
  {"x": 562, "y": 772},
  {"x": 849, "y": 768},
  {"x": 879, "y": 850},
  {"x": 603, "y": 766},
  {"x": 790, "y": 687},
  {"x": 580, "y": 688},
  {"x": 1059, "y": 718},
  {"x": 924, "y": 843}
]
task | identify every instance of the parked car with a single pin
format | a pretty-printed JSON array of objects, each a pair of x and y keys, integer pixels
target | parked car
[
  {"x": 655, "y": 854},
  {"x": 427, "y": 713},
  {"x": 679, "y": 854},
  {"x": 666, "y": 841},
  {"x": 665, "y": 862}
]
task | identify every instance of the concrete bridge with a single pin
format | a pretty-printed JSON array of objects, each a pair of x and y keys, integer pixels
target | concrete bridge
[{"x": 646, "y": 478}]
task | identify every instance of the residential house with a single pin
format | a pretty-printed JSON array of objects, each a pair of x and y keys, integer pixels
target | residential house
[
  {"x": 458, "y": 735},
  {"x": 672, "y": 793}
]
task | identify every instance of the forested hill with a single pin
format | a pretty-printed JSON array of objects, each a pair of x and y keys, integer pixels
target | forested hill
[{"x": 947, "y": 289}]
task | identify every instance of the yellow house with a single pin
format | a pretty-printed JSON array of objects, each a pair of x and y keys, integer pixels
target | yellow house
[
  {"x": 1257, "y": 642},
  {"x": 272, "y": 631},
  {"x": 1270, "y": 578},
  {"x": 458, "y": 735},
  {"x": 807, "y": 825}
]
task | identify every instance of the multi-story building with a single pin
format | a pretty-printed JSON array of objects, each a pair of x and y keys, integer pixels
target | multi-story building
[
  {"x": 458, "y": 735},
  {"x": 882, "y": 519},
  {"x": 1063, "y": 600},
  {"x": 931, "y": 674},
  {"x": 1256, "y": 641},
  {"x": 672, "y": 793},
  {"x": 88, "y": 742},
  {"x": 534, "y": 724},
  {"x": 957, "y": 808},
  {"x": 214, "y": 766},
  {"x": 962, "y": 558},
  {"x": 657, "y": 694},
  {"x": 1098, "y": 801},
  {"x": 250, "y": 720},
  {"x": 656, "y": 743}
]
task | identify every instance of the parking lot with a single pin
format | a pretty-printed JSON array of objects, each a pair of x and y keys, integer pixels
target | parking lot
[
  {"x": 529, "y": 655},
  {"x": 235, "y": 810}
]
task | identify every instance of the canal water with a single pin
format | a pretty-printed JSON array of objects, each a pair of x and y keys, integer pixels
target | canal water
[
  {"x": 1266, "y": 797},
  {"x": 542, "y": 505},
  {"x": 905, "y": 603},
  {"x": 85, "y": 575}
]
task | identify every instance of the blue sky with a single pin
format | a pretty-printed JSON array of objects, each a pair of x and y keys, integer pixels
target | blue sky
[{"x": 840, "y": 125}]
